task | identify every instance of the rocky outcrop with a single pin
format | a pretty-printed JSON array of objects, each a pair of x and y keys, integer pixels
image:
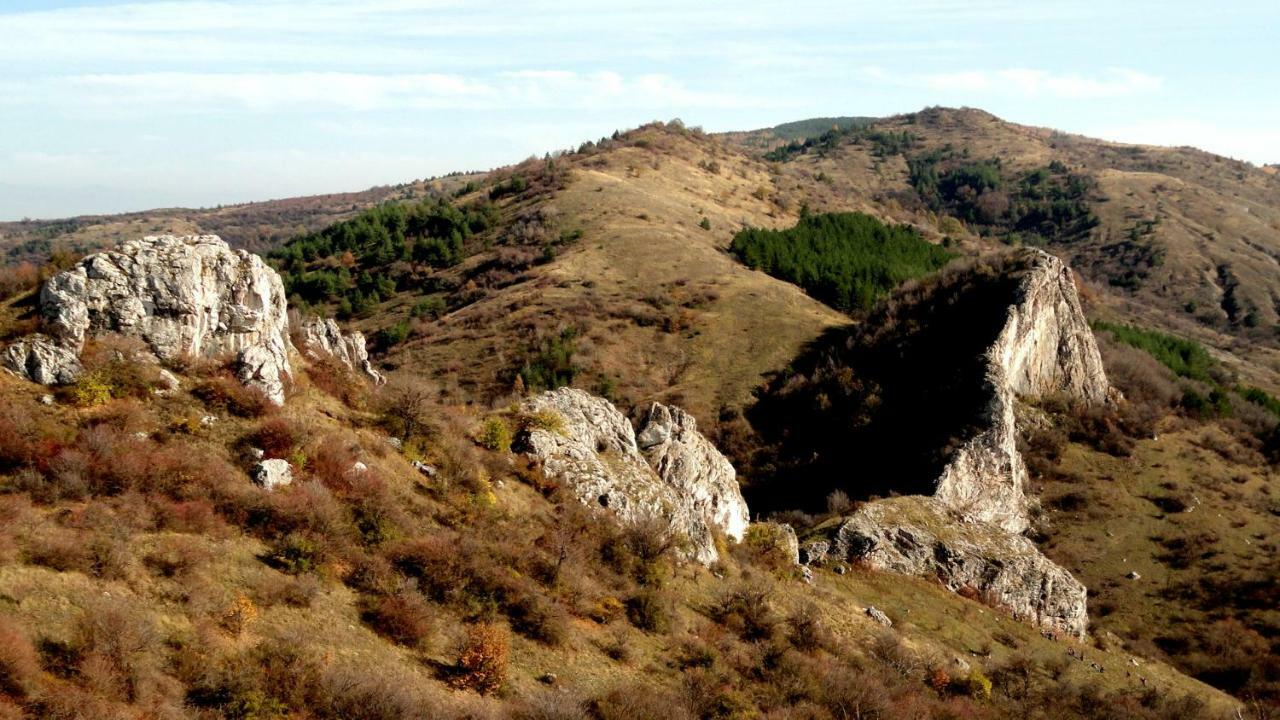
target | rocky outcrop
[
  {"x": 684, "y": 459},
  {"x": 39, "y": 359},
  {"x": 271, "y": 474},
  {"x": 968, "y": 533},
  {"x": 920, "y": 536},
  {"x": 593, "y": 452},
  {"x": 190, "y": 295},
  {"x": 1045, "y": 347},
  {"x": 324, "y": 337}
]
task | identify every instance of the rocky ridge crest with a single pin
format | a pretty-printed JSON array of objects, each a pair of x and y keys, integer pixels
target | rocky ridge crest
[{"x": 968, "y": 533}]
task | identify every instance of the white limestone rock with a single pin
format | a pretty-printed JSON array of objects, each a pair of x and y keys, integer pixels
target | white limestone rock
[
  {"x": 920, "y": 536},
  {"x": 190, "y": 295},
  {"x": 39, "y": 359},
  {"x": 878, "y": 615},
  {"x": 683, "y": 458},
  {"x": 596, "y": 457},
  {"x": 323, "y": 336},
  {"x": 273, "y": 473}
]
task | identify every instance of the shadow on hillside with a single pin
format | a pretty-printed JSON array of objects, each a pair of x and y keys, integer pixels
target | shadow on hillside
[{"x": 878, "y": 408}]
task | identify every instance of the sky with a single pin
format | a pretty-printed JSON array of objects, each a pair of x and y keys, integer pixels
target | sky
[{"x": 110, "y": 106}]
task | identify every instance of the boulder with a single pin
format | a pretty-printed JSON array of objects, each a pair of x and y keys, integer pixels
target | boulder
[
  {"x": 324, "y": 337},
  {"x": 595, "y": 456},
  {"x": 921, "y": 536},
  {"x": 669, "y": 440},
  {"x": 39, "y": 359},
  {"x": 274, "y": 473},
  {"x": 189, "y": 295},
  {"x": 878, "y": 615}
]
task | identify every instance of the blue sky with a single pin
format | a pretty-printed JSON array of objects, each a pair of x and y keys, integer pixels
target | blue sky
[{"x": 109, "y": 106}]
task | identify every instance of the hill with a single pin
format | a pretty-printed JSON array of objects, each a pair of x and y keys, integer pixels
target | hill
[{"x": 613, "y": 268}]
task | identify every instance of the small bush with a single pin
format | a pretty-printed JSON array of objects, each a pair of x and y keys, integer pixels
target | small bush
[
  {"x": 495, "y": 435},
  {"x": 238, "y": 615},
  {"x": 278, "y": 437},
  {"x": 226, "y": 394},
  {"x": 978, "y": 685},
  {"x": 296, "y": 553},
  {"x": 547, "y": 420},
  {"x": 404, "y": 618},
  {"x": 19, "y": 663},
  {"x": 482, "y": 664},
  {"x": 747, "y": 611},
  {"x": 806, "y": 630},
  {"x": 650, "y": 610},
  {"x": 640, "y": 702}
]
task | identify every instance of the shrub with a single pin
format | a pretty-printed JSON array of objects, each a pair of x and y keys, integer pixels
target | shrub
[
  {"x": 372, "y": 574},
  {"x": 19, "y": 663},
  {"x": 547, "y": 420},
  {"x": 229, "y": 395},
  {"x": 296, "y": 553},
  {"x": 337, "y": 380},
  {"x": 705, "y": 224},
  {"x": 349, "y": 691},
  {"x": 640, "y": 702},
  {"x": 538, "y": 618},
  {"x": 89, "y": 390},
  {"x": 550, "y": 365},
  {"x": 978, "y": 685},
  {"x": 407, "y": 405},
  {"x": 482, "y": 663},
  {"x": 278, "y": 437},
  {"x": 112, "y": 641},
  {"x": 495, "y": 435},
  {"x": 403, "y": 617},
  {"x": 747, "y": 611},
  {"x": 806, "y": 630},
  {"x": 238, "y": 615},
  {"x": 650, "y": 610}
]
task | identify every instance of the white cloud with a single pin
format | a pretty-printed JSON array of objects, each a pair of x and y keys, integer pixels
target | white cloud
[
  {"x": 1026, "y": 82},
  {"x": 187, "y": 92},
  {"x": 1256, "y": 144}
]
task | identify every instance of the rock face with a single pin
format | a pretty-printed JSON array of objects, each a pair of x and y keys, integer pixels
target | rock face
[
  {"x": 41, "y": 360},
  {"x": 324, "y": 337},
  {"x": 188, "y": 295},
  {"x": 920, "y": 536},
  {"x": 596, "y": 457},
  {"x": 1045, "y": 346},
  {"x": 968, "y": 533},
  {"x": 683, "y": 458}
]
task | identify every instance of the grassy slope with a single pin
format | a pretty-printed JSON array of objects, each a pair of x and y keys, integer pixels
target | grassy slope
[
  {"x": 1117, "y": 530},
  {"x": 663, "y": 309},
  {"x": 185, "y": 608}
]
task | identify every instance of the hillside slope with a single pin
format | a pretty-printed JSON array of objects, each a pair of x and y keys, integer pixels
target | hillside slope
[{"x": 1181, "y": 239}]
